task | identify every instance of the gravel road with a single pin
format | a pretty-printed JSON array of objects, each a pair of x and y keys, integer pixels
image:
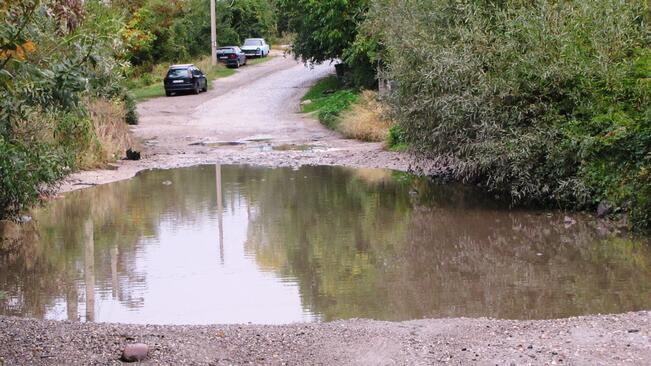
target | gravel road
[
  {"x": 596, "y": 340},
  {"x": 240, "y": 121}
]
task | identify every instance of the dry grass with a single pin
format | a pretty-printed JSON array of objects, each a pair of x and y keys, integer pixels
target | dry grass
[
  {"x": 366, "y": 120},
  {"x": 112, "y": 133}
]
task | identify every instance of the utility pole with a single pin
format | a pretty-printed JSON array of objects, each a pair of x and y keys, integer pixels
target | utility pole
[{"x": 213, "y": 34}]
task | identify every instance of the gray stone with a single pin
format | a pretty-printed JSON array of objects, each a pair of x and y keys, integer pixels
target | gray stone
[
  {"x": 568, "y": 221},
  {"x": 135, "y": 352}
]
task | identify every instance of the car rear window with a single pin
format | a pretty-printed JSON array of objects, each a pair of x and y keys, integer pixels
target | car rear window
[
  {"x": 225, "y": 50},
  {"x": 177, "y": 73}
]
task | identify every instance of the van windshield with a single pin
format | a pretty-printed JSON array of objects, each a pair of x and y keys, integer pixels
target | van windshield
[{"x": 253, "y": 42}]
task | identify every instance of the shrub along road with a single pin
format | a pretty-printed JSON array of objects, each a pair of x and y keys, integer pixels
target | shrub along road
[{"x": 240, "y": 121}]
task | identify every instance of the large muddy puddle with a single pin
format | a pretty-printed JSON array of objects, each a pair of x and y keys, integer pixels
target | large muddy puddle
[{"x": 239, "y": 244}]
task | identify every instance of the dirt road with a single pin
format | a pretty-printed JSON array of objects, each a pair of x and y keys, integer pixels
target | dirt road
[
  {"x": 251, "y": 118},
  {"x": 241, "y": 121}
]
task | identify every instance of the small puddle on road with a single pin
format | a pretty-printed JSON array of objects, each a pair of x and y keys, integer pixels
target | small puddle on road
[
  {"x": 238, "y": 244},
  {"x": 295, "y": 147},
  {"x": 286, "y": 147}
]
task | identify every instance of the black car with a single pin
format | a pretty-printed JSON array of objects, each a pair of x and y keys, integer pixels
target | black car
[
  {"x": 231, "y": 56},
  {"x": 184, "y": 78}
]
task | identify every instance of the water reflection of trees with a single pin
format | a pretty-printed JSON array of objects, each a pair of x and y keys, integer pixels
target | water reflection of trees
[
  {"x": 330, "y": 232},
  {"x": 361, "y": 249},
  {"x": 51, "y": 266}
]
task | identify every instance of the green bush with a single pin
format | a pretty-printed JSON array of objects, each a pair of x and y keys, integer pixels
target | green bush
[
  {"x": 334, "y": 104},
  {"x": 74, "y": 134},
  {"x": 52, "y": 64},
  {"x": 131, "y": 116},
  {"x": 546, "y": 101},
  {"x": 24, "y": 169},
  {"x": 396, "y": 136}
]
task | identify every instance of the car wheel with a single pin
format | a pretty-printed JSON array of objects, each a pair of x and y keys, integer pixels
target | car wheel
[
  {"x": 197, "y": 90},
  {"x": 238, "y": 64},
  {"x": 168, "y": 93}
]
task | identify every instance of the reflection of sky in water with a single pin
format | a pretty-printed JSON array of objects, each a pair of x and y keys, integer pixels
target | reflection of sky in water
[
  {"x": 189, "y": 280},
  {"x": 319, "y": 243},
  {"x": 197, "y": 288}
]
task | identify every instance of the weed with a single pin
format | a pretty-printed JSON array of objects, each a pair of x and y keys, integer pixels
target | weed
[
  {"x": 397, "y": 136},
  {"x": 329, "y": 98}
]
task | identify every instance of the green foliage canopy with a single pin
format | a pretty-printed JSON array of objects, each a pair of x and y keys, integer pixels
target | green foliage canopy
[
  {"x": 324, "y": 29},
  {"x": 329, "y": 30},
  {"x": 162, "y": 30}
]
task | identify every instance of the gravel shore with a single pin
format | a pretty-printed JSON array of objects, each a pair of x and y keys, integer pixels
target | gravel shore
[{"x": 594, "y": 340}]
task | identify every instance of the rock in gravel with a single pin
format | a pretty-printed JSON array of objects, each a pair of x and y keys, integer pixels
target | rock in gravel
[
  {"x": 135, "y": 352},
  {"x": 306, "y": 102},
  {"x": 568, "y": 221}
]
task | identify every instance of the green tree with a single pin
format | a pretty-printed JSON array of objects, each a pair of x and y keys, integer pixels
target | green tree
[{"x": 328, "y": 30}]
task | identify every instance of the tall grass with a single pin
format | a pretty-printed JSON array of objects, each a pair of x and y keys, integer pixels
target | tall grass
[
  {"x": 111, "y": 135},
  {"x": 366, "y": 120},
  {"x": 547, "y": 101}
]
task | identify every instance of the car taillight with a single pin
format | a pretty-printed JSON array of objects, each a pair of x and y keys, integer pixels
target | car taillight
[{"x": 232, "y": 56}]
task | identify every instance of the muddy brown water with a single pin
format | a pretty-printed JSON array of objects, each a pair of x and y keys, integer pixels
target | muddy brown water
[{"x": 238, "y": 244}]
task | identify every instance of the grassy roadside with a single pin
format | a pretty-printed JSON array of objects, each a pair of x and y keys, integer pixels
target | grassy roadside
[
  {"x": 150, "y": 85},
  {"x": 328, "y": 99},
  {"x": 356, "y": 114}
]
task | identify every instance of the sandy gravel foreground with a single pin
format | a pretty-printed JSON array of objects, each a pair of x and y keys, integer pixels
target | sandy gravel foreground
[
  {"x": 190, "y": 130},
  {"x": 594, "y": 340}
]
